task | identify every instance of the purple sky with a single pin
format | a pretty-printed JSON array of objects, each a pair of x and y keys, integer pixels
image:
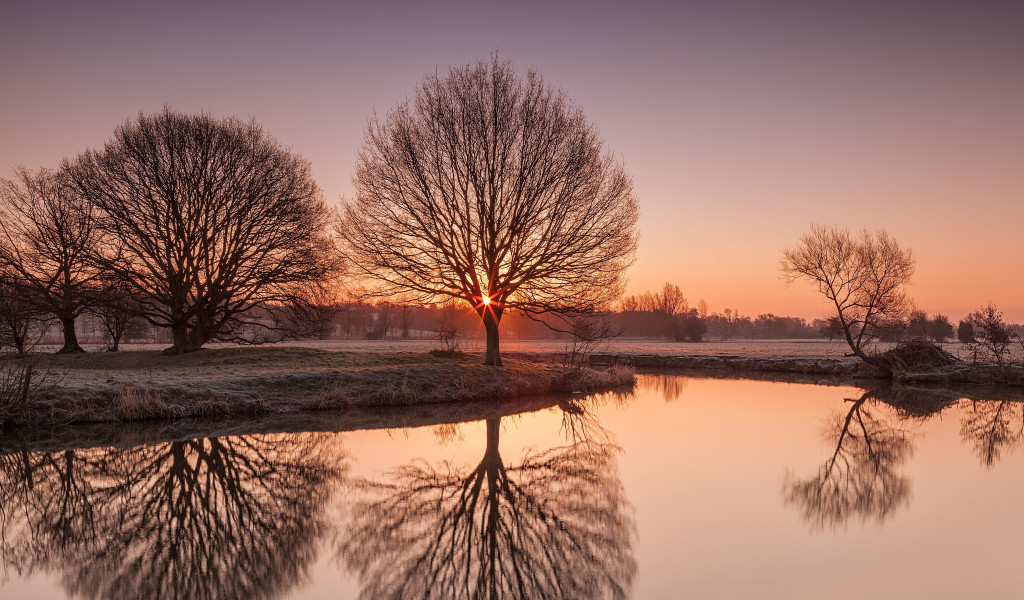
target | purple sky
[{"x": 740, "y": 122}]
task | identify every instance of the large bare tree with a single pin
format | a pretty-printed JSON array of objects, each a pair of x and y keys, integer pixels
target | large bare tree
[
  {"x": 217, "y": 224},
  {"x": 48, "y": 236},
  {"x": 492, "y": 189},
  {"x": 863, "y": 276}
]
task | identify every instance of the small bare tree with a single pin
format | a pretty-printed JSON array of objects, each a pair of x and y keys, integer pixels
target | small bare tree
[
  {"x": 405, "y": 317},
  {"x": 119, "y": 313},
  {"x": 449, "y": 329},
  {"x": 862, "y": 275},
  {"x": 494, "y": 190},
  {"x": 48, "y": 237},
  {"x": 21, "y": 323},
  {"x": 17, "y": 384},
  {"x": 992, "y": 336},
  {"x": 218, "y": 224},
  {"x": 589, "y": 331}
]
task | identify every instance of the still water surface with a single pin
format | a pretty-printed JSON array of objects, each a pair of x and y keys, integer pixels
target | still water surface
[{"x": 689, "y": 488}]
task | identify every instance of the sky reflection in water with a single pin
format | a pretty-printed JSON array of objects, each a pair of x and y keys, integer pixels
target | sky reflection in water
[{"x": 689, "y": 487}]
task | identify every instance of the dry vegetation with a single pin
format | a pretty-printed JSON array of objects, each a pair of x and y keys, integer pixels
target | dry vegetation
[{"x": 130, "y": 386}]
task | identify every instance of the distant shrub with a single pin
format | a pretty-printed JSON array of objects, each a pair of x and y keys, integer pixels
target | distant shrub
[
  {"x": 992, "y": 336},
  {"x": 16, "y": 385},
  {"x": 449, "y": 330},
  {"x": 965, "y": 332}
]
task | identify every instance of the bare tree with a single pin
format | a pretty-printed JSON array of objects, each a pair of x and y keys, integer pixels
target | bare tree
[
  {"x": 495, "y": 190},
  {"x": 218, "y": 223},
  {"x": 19, "y": 381},
  {"x": 449, "y": 327},
  {"x": 405, "y": 316},
  {"x": 386, "y": 316},
  {"x": 670, "y": 302},
  {"x": 21, "y": 323},
  {"x": 48, "y": 235},
  {"x": 119, "y": 312},
  {"x": 992, "y": 336},
  {"x": 589, "y": 332},
  {"x": 863, "y": 276}
]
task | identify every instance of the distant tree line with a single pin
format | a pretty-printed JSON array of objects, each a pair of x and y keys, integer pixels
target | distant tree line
[
  {"x": 667, "y": 314},
  {"x": 662, "y": 314}
]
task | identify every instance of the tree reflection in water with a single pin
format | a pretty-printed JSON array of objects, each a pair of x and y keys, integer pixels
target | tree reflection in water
[
  {"x": 992, "y": 427},
  {"x": 669, "y": 387},
  {"x": 231, "y": 517},
  {"x": 862, "y": 477},
  {"x": 557, "y": 525}
]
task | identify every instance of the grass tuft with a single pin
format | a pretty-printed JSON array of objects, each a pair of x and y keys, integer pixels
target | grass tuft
[
  {"x": 579, "y": 381},
  {"x": 134, "y": 403},
  {"x": 336, "y": 397}
]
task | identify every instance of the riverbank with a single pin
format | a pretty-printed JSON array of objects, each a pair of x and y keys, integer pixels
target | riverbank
[
  {"x": 731, "y": 363},
  {"x": 141, "y": 385},
  {"x": 954, "y": 372}
]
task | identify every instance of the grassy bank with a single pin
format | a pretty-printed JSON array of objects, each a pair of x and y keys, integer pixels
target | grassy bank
[
  {"x": 948, "y": 372},
  {"x": 130, "y": 386}
]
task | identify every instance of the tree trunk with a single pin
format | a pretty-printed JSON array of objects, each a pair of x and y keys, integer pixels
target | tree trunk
[
  {"x": 19, "y": 345},
  {"x": 70, "y": 337},
  {"x": 873, "y": 361},
  {"x": 493, "y": 356},
  {"x": 197, "y": 337},
  {"x": 182, "y": 339},
  {"x": 203, "y": 330}
]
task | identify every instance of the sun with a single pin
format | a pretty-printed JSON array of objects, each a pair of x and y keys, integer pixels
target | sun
[{"x": 486, "y": 299}]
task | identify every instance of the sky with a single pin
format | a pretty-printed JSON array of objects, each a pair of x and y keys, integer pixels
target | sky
[{"x": 741, "y": 122}]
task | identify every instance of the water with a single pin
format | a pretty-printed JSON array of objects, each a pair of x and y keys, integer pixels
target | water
[{"x": 691, "y": 487}]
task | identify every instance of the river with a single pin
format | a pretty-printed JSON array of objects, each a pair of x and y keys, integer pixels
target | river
[{"x": 687, "y": 488}]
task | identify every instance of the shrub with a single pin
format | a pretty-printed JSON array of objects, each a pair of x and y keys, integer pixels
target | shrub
[{"x": 992, "y": 336}]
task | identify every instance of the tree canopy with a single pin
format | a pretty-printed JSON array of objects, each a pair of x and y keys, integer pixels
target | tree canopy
[
  {"x": 493, "y": 189},
  {"x": 215, "y": 224},
  {"x": 863, "y": 276}
]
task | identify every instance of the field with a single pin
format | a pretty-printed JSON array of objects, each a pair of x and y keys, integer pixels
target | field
[{"x": 753, "y": 349}]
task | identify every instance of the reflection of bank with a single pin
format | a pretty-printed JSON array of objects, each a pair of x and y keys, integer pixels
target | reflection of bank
[
  {"x": 557, "y": 525},
  {"x": 862, "y": 478},
  {"x": 231, "y": 517}
]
